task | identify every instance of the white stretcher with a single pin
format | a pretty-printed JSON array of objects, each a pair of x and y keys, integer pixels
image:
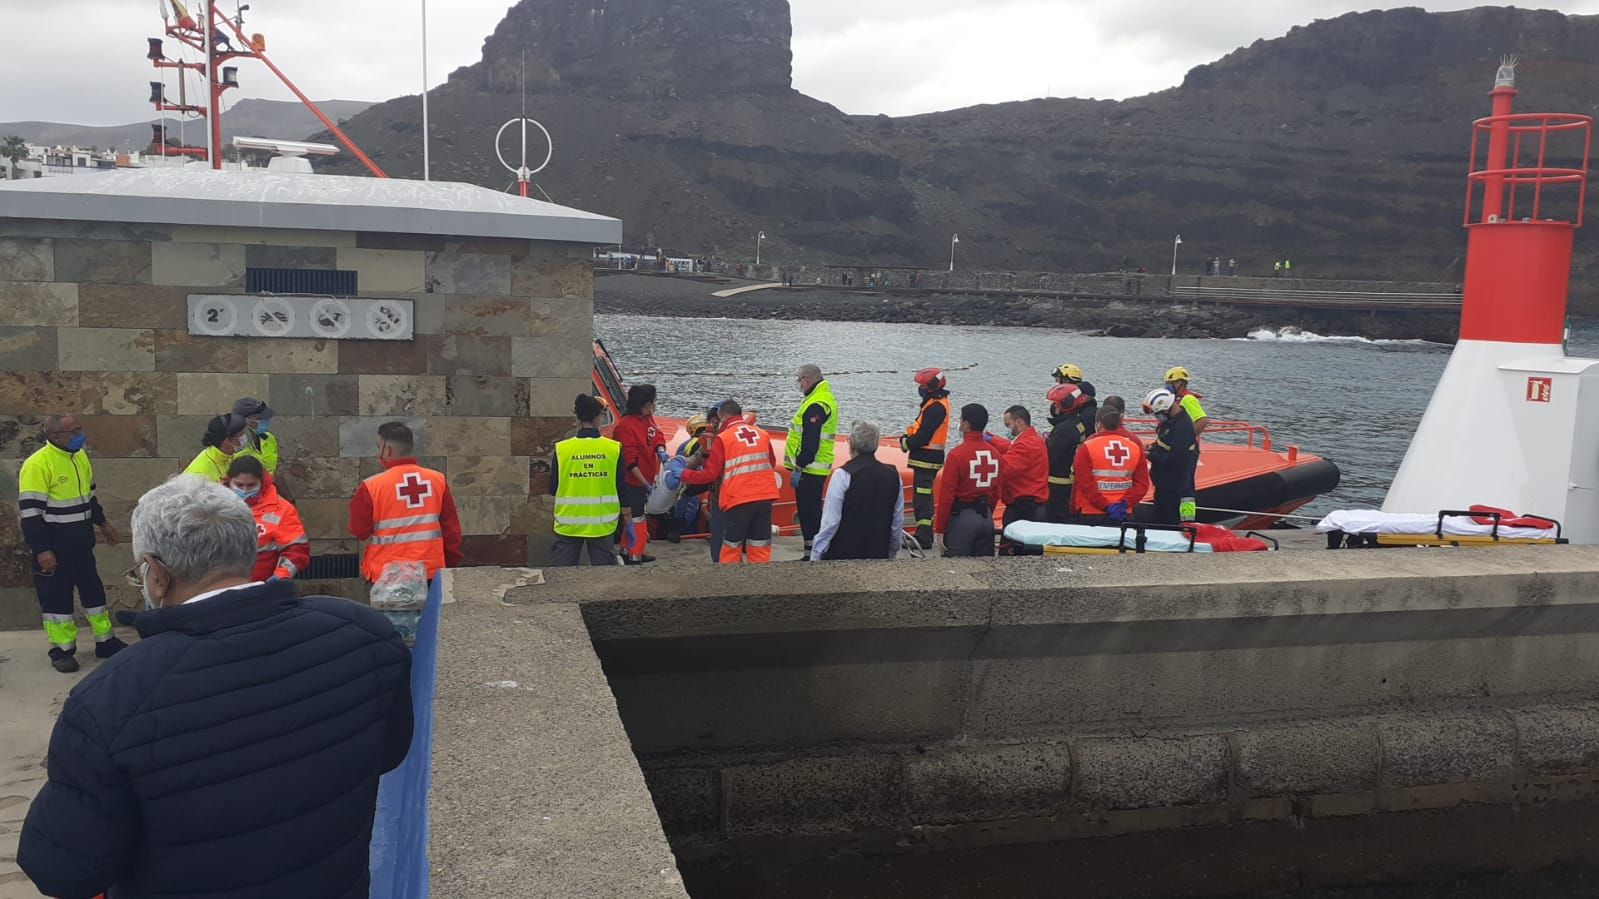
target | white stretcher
[
  {"x": 1082, "y": 538},
  {"x": 1444, "y": 528}
]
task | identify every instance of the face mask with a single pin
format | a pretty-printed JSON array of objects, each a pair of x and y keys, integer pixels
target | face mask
[
  {"x": 247, "y": 494},
  {"x": 1015, "y": 432},
  {"x": 264, "y": 427},
  {"x": 77, "y": 443},
  {"x": 150, "y": 602}
]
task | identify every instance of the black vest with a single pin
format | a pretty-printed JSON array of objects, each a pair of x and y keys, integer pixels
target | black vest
[{"x": 874, "y": 488}]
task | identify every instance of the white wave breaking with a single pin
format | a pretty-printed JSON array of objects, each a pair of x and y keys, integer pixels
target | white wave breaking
[{"x": 1292, "y": 334}]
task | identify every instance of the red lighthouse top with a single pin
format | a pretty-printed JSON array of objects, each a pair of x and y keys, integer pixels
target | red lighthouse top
[{"x": 1518, "y": 257}]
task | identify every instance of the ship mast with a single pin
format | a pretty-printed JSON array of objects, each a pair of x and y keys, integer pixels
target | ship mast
[{"x": 214, "y": 40}]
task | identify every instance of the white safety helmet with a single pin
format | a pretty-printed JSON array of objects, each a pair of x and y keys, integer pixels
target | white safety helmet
[{"x": 1159, "y": 400}]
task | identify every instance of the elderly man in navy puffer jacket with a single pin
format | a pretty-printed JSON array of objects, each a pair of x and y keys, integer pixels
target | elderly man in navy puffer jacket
[{"x": 235, "y": 750}]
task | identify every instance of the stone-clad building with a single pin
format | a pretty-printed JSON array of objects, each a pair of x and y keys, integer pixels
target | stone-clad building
[{"x": 492, "y": 293}]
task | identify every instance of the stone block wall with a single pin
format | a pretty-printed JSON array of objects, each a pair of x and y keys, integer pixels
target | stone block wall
[{"x": 93, "y": 320}]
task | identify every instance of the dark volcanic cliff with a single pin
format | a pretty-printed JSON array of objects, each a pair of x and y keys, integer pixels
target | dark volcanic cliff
[{"x": 1342, "y": 144}]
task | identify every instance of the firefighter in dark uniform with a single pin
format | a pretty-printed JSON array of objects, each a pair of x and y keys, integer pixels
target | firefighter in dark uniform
[
  {"x": 1066, "y": 402},
  {"x": 924, "y": 443},
  {"x": 1172, "y": 456},
  {"x": 1088, "y": 413}
]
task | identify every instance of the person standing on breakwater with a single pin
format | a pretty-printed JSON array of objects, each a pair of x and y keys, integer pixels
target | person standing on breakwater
[
  {"x": 1112, "y": 478},
  {"x": 1177, "y": 382},
  {"x": 223, "y": 437},
  {"x": 924, "y": 442},
  {"x": 1069, "y": 373},
  {"x": 643, "y": 451},
  {"x": 587, "y": 482},
  {"x": 968, "y": 489},
  {"x": 406, "y": 512},
  {"x": 864, "y": 515},
  {"x": 1169, "y": 456},
  {"x": 808, "y": 456},
  {"x": 1024, "y": 469},
  {"x": 744, "y": 469},
  {"x": 1065, "y": 400}
]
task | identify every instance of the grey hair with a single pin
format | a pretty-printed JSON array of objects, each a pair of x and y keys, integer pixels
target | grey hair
[
  {"x": 197, "y": 528},
  {"x": 810, "y": 371},
  {"x": 864, "y": 437}
]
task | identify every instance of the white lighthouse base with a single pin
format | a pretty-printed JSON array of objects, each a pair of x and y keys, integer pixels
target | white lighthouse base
[{"x": 1512, "y": 425}]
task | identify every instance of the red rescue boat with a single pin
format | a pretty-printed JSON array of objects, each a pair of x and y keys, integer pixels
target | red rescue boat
[{"x": 1239, "y": 471}]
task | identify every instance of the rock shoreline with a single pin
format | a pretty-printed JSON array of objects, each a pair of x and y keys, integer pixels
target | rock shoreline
[{"x": 636, "y": 294}]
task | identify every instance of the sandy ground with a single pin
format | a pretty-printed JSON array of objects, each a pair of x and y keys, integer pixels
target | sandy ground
[{"x": 31, "y": 694}]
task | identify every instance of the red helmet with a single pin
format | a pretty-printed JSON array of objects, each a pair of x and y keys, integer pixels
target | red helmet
[
  {"x": 1067, "y": 397},
  {"x": 930, "y": 379}
]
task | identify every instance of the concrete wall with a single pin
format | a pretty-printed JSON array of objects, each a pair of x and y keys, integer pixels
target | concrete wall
[
  {"x": 93, "y": 321},
  {"x": 1034, "y": 700}
]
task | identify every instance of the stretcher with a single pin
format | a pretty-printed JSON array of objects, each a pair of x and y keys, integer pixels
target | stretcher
[
  {"x": 1083, "y": 539},
  {"x": 1476, "y": 526}
]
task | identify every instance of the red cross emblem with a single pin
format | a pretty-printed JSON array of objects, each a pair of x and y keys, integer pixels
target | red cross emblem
[
  {"x": 260, "y": 531},
  {"x": 748, "y": 436},
  {"x": 412, "y": 490},
  {"x": 984, "y": 468},
  {"x": 1118, "y": 453}
]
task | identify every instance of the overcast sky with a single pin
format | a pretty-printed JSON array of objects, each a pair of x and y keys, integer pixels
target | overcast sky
[{"x": 84, "y": 61}]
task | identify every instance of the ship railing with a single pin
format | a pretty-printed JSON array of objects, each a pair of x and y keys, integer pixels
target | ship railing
[{"x": 1247, "y": 433}]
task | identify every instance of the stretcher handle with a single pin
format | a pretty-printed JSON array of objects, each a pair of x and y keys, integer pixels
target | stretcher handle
[
  {"x": 1559, "y": 529},
  {"x": 1140, "y": 540},
  {"x": 1272, "y": 540}
]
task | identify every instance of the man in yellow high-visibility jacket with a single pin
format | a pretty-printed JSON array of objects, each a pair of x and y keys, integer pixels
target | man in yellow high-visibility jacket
[
  {"x": 59, "y": 514},
  {"x": 808, "y": 455}
]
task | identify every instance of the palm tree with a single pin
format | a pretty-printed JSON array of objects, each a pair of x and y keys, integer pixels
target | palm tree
[{"x": 14, "y": 148}]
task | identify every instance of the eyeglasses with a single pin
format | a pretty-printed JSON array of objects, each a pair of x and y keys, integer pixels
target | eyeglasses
[{"x": 135, "y": 575}]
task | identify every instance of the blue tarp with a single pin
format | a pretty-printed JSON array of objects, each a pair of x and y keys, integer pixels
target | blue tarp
[{"x": 399, "y": 858}]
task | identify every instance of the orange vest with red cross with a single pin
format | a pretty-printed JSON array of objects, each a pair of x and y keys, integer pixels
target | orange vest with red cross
[
  {"x": 747, "y": 470},
  {"x": 406, "y": 503},
  {"x": 1113, "y": 459}
]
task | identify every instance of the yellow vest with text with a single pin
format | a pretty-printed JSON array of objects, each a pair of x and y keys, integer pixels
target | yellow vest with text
[{"x": 586, "y": 502}]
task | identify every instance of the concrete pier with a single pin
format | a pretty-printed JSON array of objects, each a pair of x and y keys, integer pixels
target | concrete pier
[{"x": 864, "y": 722}]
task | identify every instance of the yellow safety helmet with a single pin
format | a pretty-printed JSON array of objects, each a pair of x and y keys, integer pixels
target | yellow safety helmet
[
  {"x": 1177, "y": 374},
  {"x": 696, "y": 424},
  {"x": 1070, "y": 372}
]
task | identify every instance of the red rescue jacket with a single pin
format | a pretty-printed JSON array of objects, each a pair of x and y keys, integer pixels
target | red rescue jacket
[
  {"x": 1023, "y": 468},
  {"x": 971, "y": 473},
  {"x": 282, "y": 549}
]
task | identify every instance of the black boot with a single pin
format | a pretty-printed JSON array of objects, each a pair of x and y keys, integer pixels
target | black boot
[
  {"x": 63, "y": 661},
  {"x": 109, "y": 647}
]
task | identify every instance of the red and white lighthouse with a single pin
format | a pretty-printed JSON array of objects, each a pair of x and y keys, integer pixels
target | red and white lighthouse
[{"x": 1514, "y": 422}]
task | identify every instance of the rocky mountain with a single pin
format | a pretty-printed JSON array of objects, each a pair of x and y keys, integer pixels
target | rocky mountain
[
  {"x": 1341, "y": 145},
  {"x": 254, "y": 118}
]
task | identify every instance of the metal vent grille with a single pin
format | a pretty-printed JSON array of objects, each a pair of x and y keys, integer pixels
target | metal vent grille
[
  {"x": 300, "y": 280},
  {"x": 333, "y": 566}
]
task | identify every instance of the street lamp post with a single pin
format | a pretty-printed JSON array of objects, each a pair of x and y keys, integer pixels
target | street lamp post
[
  {"x": 1176, "y": 242},
  {"x": 760, "y": 236},
  {"x": 953, "y": 240}
]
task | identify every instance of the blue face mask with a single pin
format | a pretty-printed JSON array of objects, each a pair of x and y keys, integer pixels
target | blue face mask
[
  {"x": 263, "y": 427},
  {"x": 247, "y": 494},
  {"x": 77, "y": 443}
]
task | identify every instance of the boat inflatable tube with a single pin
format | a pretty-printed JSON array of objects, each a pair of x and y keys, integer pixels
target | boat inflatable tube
[{"x": 1041, "y": 533}]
